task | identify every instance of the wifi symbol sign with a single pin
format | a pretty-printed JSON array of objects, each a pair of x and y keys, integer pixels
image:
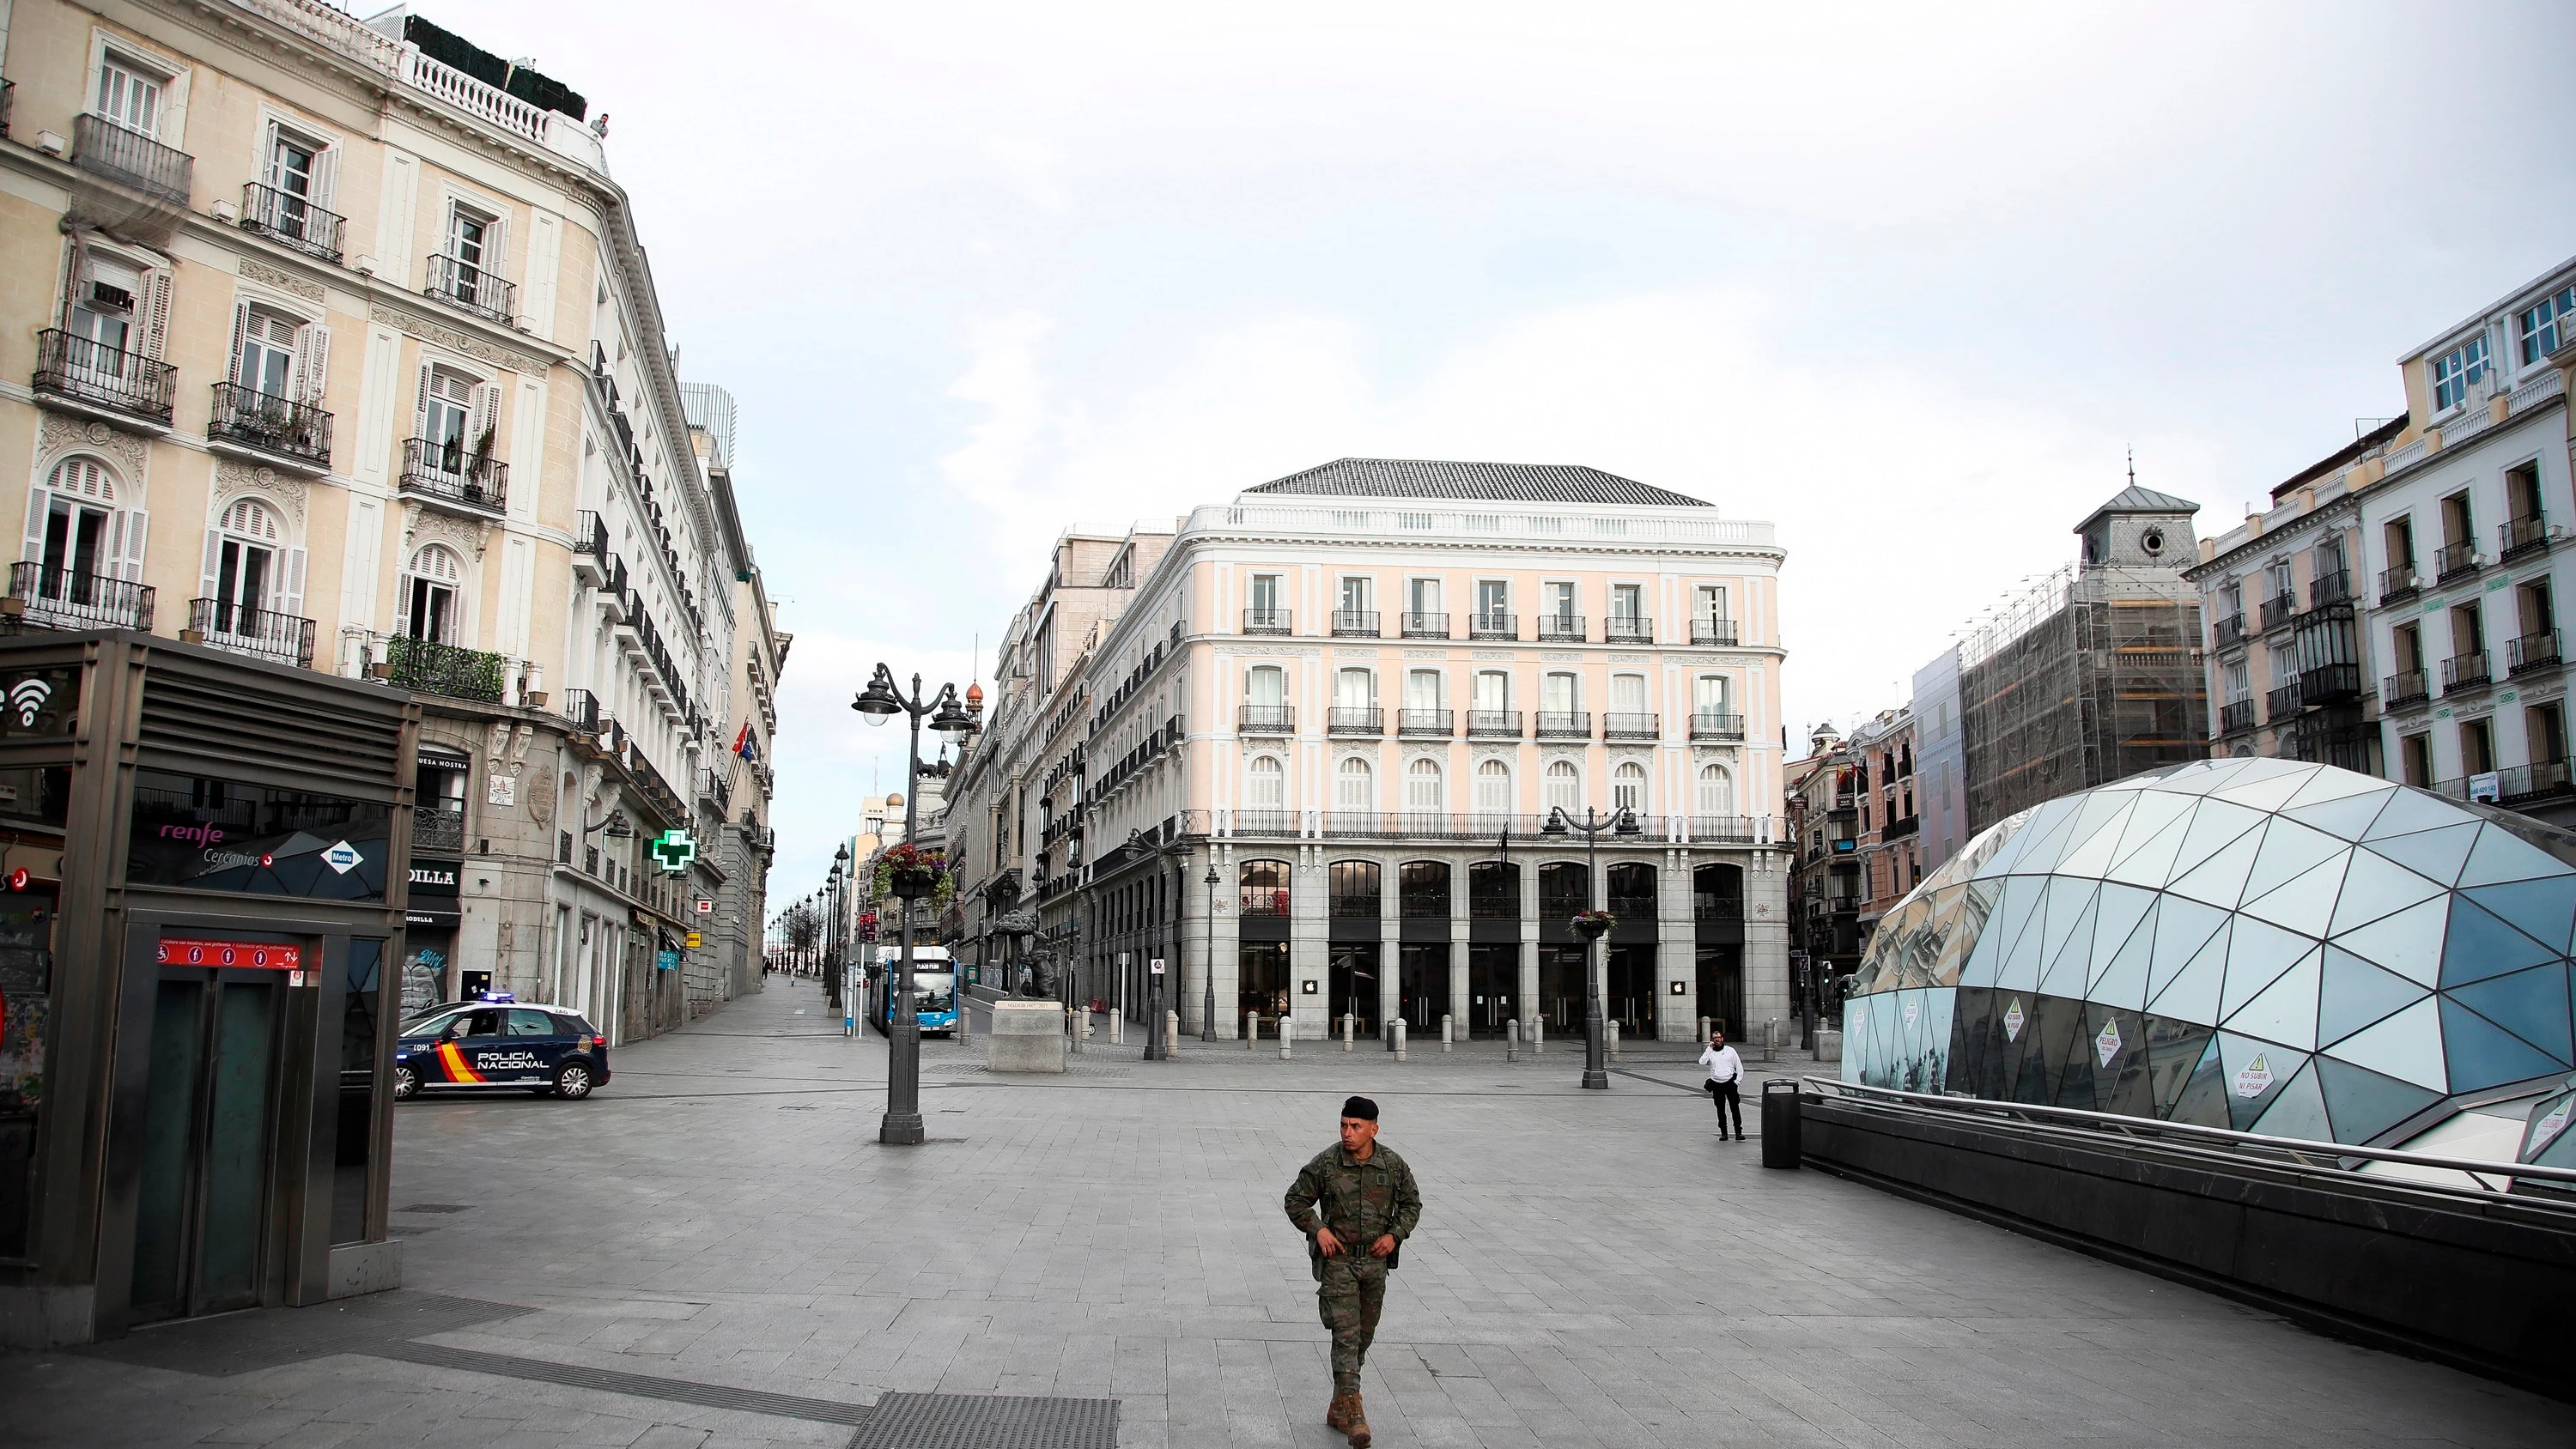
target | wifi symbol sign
[{"x": 27, "y": 697}]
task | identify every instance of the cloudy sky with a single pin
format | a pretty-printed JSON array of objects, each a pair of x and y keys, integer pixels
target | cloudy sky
[{"x": 1909, "y": 280}]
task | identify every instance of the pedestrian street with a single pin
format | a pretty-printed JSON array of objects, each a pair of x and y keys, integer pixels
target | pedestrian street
[{"x": 715, "y": 1250}]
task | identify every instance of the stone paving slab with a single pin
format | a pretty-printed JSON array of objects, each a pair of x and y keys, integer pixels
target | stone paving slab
[{"x": 1593, "y": 1269}]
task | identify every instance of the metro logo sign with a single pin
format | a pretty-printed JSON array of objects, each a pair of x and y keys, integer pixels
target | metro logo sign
[{"x": 250, "y": 955}]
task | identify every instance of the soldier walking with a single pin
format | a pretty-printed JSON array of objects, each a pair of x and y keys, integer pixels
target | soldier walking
[{"x": 1369, "y": 1206}]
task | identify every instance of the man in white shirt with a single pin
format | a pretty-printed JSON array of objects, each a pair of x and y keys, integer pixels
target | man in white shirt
[{"x": 1725, "y": 1078}]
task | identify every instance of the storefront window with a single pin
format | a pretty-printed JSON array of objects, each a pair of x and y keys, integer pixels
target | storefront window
[
  {"x": 32, "y": 801},
  {"x": 357, "y": 1136}
]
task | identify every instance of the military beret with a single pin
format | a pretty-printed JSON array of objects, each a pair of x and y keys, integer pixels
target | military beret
[{"x": 1360, "y": 1107}]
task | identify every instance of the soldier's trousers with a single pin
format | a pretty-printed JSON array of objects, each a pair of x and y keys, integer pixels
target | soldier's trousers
[{"x": 1349, "y": 1299}]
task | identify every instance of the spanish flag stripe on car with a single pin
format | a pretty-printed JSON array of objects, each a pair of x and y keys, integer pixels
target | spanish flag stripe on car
[{"x": 454, "y": 1060}]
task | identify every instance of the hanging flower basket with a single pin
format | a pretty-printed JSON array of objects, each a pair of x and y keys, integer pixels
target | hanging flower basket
[
  {"x": 907, "y": 872},
  {"x": 1593, "y": 925}
]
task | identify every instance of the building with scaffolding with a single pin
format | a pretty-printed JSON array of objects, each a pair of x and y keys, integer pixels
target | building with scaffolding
[{"x": 2090, "y": 675}]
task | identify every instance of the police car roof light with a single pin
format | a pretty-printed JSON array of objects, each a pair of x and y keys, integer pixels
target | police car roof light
[{"x": 503, "y": 996}]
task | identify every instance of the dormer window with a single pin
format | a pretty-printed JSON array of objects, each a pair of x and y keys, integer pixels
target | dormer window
[{"x": 2458, "y": 370}]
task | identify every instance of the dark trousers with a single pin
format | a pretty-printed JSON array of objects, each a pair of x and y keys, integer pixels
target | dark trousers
[{"x": 1730, "y": 1103}]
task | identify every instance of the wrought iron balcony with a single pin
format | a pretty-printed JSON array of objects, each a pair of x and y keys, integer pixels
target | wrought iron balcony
[
  {"x": 1355, "y": 719},
  {"x": 2398, "y": 584},
  {"x": 291, "y": 219},
  {"x": 1630, "y": 630},
  {"x": 590, "y": 548},
  {"x": 427, "y": 667},
  {"x": 2409, "y": 686},
  {"x": 2463, "y": 672},
  {"x": 1560, "y": 628},
  {"x": 1265, "y": 621},
  {"x": 1493, "y": 626},
  {"x": 2228, "y": 632},
  {"x": 1716, "y": 724},
  {"x": 2278, "y": 609},
  {"x": 438, "y": 829},
  {"x": 1494, "y": 724},
  {"x": 2532, "y": 652},
  {"x": 1564, "y": 724},
  {"x": 131, "y": 159},
  {"x": 446, "y": 473},
  {"x": 473, "y": 288},
  {"x": 1720, "y": 632},
  {"x": 2236, "y": 718},
  {"x": 62, "y": 599},
  {"x": 1426, "y": 626},
  {"x": 1355, "y": 623},
  {"x": 1618, "y": 726},
  {"x": 2515, "y": 785},
  {"x": 259, "y": 633},
  {"x": 582, "y": 708},
  {"x": 276, "y": 427},
  {"x": 2455, "y": 561},
  {"x": 1266, "y": 719},
  {"x": 83, "y": 371},
  {"x": 2282, "y": 702},
  {"x": 1430, "y": 722},
  {"x": 2525, "y": 535},
  {"x": 2324, "y": 684},
  {"x": 2330, "y": 588}
]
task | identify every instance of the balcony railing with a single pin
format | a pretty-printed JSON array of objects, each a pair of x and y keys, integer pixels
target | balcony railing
[
  {"x": 449, "y": 474},
  {"x": 2330, "y": 588},
  {"x": 1433, "y": 722},
  {"x": 1564, "y": 724},
  {"x": 1265, "y": 621},
  {"x": 2466, "y": 671},
  {"x": 2527, "y": 534},
  {"x": 131, "y": 159},
  {"x": 2278, "y": 608},
  {"x": 2324, "y": 684},
  {"x": 108, "y": 377},
  {"x": 280, "y": 427},
  {"x": 2398, "y": 584},
  {"x": 1628, "y": 726},
  {"x": 1479, "y": 826},
  {"x": 1355, "y": 623},
  {"x": 2410, "y": 686},
  {"x": 472, "y": 287},
  {"x": 260, "y": 633},
  {"x": 1493, "y": 626},
  {"x": 1720, "y": 632},
  {"x": 2515, "y": 784},
  {"x": 291, "y": 219},
  {"x": 2532, "y": 652},
  {"x": 428, "y": 667},
  {"x": 63, "y": 599},
  {"x": 1901, "y": 827},
  {"x": 1630, "y": 630},
  {"x": 1266, "y": 719},
  {"x": 2283, "y": 702},
  {"x": 2227, "y": 632},
  {"x": 1355, "y": 719},
  {"x": 2455, "y": 561},
  {"x": 1426, "y": 626},
  {"x": 438, "y": 829},
  {"x": 1716, "y": 724},
  {"x": 582, "y": 708},
  {"x": 1494, "y": 724},
  {"x": 1560, "y": 628}
]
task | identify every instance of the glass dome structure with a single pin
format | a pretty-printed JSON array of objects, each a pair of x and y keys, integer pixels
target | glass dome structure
[{"x": 2257, "y": 944}]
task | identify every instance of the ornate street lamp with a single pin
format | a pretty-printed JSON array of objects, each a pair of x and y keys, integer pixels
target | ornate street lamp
[
  {"x": 1207, "y": 970},
  {"x": 1594, "y": 825},
  {"x": 879, "y": 702}
]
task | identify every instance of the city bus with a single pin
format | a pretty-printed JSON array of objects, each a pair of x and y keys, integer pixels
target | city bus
[{"x": 934, "y": 989}]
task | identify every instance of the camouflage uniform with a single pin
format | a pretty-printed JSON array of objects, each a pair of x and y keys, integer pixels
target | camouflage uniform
[{"x": 1361, "y": 1202}]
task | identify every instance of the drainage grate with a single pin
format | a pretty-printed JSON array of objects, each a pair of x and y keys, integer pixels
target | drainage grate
[
  {"x": 610, "y": 1381},
  {"x": 987, "y": 1421}
]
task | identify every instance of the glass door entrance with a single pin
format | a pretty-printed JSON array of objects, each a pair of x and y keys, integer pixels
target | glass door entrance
[
  {"x": 1261, "y": 983},
  {"x": 1493, "y": 984},
  {"x": 1353, "y": 985},
  {"x": 1631, "y": 999},
  {"x": 1561, "y": 989},
  {"x": 210, "y": 1107},
  {"x": 1721, "y": 987},
  {"x": 1424, "y": 978}
]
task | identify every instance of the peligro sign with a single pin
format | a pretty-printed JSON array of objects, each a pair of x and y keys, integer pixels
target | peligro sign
[{"x": 254, "y": 955}]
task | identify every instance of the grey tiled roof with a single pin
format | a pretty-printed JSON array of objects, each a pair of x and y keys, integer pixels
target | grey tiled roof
[
  {"x": 1484, "y": 482},
  {"x": 2134, "y": 499}
]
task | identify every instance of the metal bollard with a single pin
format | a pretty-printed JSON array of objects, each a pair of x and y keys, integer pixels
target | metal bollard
[
  {"x": 1771, "y": 1039},
  {"x": 1611, "y": 1029},
  {"x": 1350, "y": 1029},
  {"x": 1538, "y": 1035},
  {"x": 1446, "y": 1026},
  {"x": 1251, "y": 1030},
  {"x": 1399, "y": 1038},
  {"x": 1171, "y": 1032},
  {"x": 1287, "y": 1035},
  {"x": 1512, "y": 1040},
  {"x": 1117, "y": 1028}
]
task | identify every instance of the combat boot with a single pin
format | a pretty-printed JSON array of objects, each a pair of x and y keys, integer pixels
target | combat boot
[
  {"x": 1339, "y": 1415},
  {"x": 1357, "y": 1428}
]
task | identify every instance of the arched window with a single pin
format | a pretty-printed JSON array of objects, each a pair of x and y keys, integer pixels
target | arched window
[
  {"x": 76, "y": 532},
  {"x": 1717, "y": 893},
  {"x": 428, "y": 602},
  {"x": 1564, "y": 786},
  {"x": 1354, "y": 786},
  {"x": 1265, "y": 887},
  {"x": 1716, "y": 792},
  {"x": 1493, "y": 788},
  {"x": 243, "y": 571},
  {"x": 1422, "y": 889},
  {"x": 1265, "y": 783},
  {"x": 1422, "y": 786},
  {"x": 1628, "y": 787},
  {"x": 1353, "y": 888},
  {"x": 1632, "y": 889},
  {"x": 1563, "y": 889},
  {"x": 1494, "y": 890}
]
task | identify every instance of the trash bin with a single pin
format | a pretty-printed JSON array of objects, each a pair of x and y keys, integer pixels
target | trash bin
[{"x": 1780, "y": 1123}]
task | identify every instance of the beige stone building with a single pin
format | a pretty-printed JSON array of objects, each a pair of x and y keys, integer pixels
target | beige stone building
[{"x": 334, "y": 344}]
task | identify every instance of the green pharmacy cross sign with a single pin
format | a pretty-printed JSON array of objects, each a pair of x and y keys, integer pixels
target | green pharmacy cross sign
[{"x": 674, "y": 851}]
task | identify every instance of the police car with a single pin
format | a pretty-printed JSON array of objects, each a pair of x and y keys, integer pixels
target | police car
[{"x": 499, "y": 1042}]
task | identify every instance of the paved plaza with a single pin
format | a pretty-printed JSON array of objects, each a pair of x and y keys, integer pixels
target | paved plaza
[{"x": 715, "y": 1251}]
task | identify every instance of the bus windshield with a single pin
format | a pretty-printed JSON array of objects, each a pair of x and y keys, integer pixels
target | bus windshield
[{"x": 933, "y": 991}]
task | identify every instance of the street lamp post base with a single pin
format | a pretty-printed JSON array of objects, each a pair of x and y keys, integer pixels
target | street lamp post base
[
  {"x": 1596, "y": 1081},
  {"x": 900, "y": 1129}
]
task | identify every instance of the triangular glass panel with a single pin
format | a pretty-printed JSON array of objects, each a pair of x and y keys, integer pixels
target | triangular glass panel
[
  {"x": 2116, "y": 914},
  {"x": 2150, "y": 863},
  {"x": 2214, "y": 826},
  {"x": 2092, "y": 855},
  {"x": 2220, "y": 880},
  {"x": 2500, "y": 856},
  {"x": 2540, "y": 909},
  {"x": 2202, "y": 1101},
  {"x": 2070, "y": 907},
  {"x": 2434, "y": 854},
  {"x": 2182, "y": 928},
  {"x": 2020, "y": 970},
  {"x": 2300, "y": 1111},
  {"x": 2289, "y": 849},
  {"x": 2306, "y": 903},
  {"x": 2347, "y": 816},
  {"x": 2257, "y": 954},
  {"x": 2286, "y": 1012},
  {"x": 2020, "y": 911},
  {"x": 2356, "y": 993},
  {"x": 2376, "y": 886},
  {"x": 2482, "y": 1054},
  {"x": 2254, "y": 1074},
  {"x": 2123, "y": 978},
  {"x": 2268, "y": 792},
  {"x": 2192, "y": 994},
  {"x": 2407, "y": 1046},
  {"x": 2479, "y": 946},
  {"x": 2153, "y": 811},
  {"x": 2409, "y": 942},
  {"x": 2330, "y": 784},
  {"x": 2047, "y": 836},
  {"x": 2363, "y": 1103},
  {"x": 2212, "y": 775},
  {"x": 2530, "y": 1004},
  {"x": 2412, "y": 810}
]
